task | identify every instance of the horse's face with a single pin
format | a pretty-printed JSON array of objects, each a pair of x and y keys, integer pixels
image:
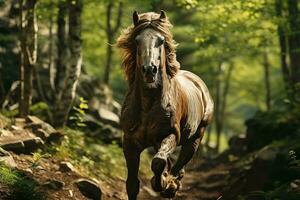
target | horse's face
[{"x": 149, "y": 48}]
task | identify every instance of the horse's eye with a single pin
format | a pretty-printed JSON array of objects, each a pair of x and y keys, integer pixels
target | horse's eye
[
  {"x": 160, "y": 41},
  {"x": 137, "y": 40}
]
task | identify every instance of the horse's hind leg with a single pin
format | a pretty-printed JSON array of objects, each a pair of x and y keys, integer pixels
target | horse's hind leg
[
  {"x": 160, "y": 163},
  {"x": 187, "y": 152}
]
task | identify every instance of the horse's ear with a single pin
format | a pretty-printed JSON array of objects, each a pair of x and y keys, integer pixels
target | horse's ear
[
  {"x": 135, "y": 17},
  {"x": 162, "y": 15}
]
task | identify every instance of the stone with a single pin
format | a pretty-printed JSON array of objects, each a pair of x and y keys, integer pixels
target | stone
[
  {"x": 34, "y": 119},
  {"x": 41, "y": 133},
  {"x": 23, "y": 145},
  {"x": 107, "y": 116},
  {"x": 89, "y": 188},
  {"x": 28, "y": 170},
  {"x": 54, "y": 184},
  {"x": 7, "y": 159},
  {"x": 55, "y": 137},
  {"x": 20, "y": 122},
  {"x": 66, "y": 167},
  {"x": 5, "y": 133},
  {"x": 268, "y": 153},
  {"x": 36, "y": 123},
  {"x": 15, "y": 128},
  {"x": 150, "y": 191}
]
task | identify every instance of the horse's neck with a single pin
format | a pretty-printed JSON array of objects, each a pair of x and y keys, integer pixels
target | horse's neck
[{"x": 157, "y": 96}]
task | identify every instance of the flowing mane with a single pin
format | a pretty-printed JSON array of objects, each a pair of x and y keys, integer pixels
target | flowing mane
[{"x": 126, "y": 42}]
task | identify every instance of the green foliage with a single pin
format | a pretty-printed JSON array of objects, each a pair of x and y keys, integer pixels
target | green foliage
[
  {"x": 95, "y": 159},
  {"x": 20, "y": 186},
  {"x": 266, "y": 127},
  {"x": 40, "y": 110},
  {"x": 76, "y": 118},
  {"x": 37, "y": 157}
]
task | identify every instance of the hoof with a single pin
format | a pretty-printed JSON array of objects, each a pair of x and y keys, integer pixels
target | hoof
[
  {"x": 172, "y": 187},
  {"x": 181, "y": 174},
  {"x": 158, "y": 166}
]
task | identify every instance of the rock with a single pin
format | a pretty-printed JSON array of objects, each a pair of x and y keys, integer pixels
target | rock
[
  {"x": 66, "y": 167},
  {"x": 20, "y": 122},
  {"x": 28, "y": 170},
  {"x": 23, "y": 145},
  {"x": 105, "y": 132},
  {"x": 35, "y": 122},
  {"x": 15, "y": 128},
  {"x": 39, "y": 167},
  {"x": 150, "y": 191},
  {"x": 5, "y": 133},
  {"x": 34, "y": 119},
  {"x": 268, "y": 153},
  {"x": 7, "y": 159},
  {"x": 41, "y": 133},
  {"x": 108, "y": 117},
  {"x": 89, "y": 188},
  {"x": 55, "y": 137},
  {"x": 54, "y": 184}
]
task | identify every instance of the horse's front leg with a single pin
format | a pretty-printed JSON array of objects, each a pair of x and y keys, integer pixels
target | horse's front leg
[
  {"x": 132, "y": 155},
  {"x": 187, "y": 151},
  {"x": 160, "y": 162}
]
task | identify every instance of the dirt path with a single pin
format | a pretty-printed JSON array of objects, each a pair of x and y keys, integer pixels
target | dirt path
[{"x": 196, "y": 184}]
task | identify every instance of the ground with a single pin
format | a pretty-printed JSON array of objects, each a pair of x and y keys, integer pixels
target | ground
[{"x": 197, "y": 184}]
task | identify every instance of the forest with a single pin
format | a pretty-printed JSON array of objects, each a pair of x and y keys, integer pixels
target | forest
[{"x": 62, "y": 86}]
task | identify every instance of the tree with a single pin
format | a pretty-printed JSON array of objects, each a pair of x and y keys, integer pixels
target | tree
[
  {"x": 111, "y": 32},
  {"x": 288, "y": 29},
  {"x": 221, "y": 99},
  {"x": 266, "y": 65},
  {"x": 283, "y": 48},
  {"x": 294, "y": 45},
  {"x": 66, "y": 95},
  {"x": 28, "y": 27},
  {"x": 62, "y": 46}
]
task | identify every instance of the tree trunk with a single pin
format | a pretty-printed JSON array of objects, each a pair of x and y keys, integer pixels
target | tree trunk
[
  {"x": 221, "y": 101},
  {"x": 218, "y": 106},
  {"x": 111, "y": 32},
  {"x": 294, "y": 45},
  {"x": 51, "y": 70},
  {"x": 2, "y": 90},
  {"x": 266, "y": 66},
  {"x": 28, "y": 53},
  {"x": 62, "y": 47},
  {"x": 283, "y": 49},
  {"x": 67, "y": 94}
]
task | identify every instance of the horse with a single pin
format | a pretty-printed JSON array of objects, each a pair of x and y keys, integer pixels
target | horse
[{"x": 165, "y": 107}]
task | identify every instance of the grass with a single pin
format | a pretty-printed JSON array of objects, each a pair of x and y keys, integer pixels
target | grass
[
  {"x": 19, "y": 186},
  {"x": 94, "y": 158}
]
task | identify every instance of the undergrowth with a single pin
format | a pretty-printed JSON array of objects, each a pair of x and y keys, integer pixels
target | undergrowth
[
  {"x": 19, "y": 186},
  {"x": 94, "y": 158}
]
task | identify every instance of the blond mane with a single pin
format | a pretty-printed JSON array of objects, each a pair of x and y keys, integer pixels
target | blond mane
[{"x": 126, "y": 42}]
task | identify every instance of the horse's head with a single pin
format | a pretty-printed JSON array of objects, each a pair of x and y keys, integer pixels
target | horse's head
[
  {"x": 150, "y": 56},
  {"x": 149, "y": 49}
]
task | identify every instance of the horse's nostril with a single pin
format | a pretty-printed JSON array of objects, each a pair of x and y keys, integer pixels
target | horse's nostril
[
  {"x": 143, "y": 68},
  {"x": 154, "y": 69}
]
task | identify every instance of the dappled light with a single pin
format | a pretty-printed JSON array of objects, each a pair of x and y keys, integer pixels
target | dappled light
[{"x": 155, "y": 99}]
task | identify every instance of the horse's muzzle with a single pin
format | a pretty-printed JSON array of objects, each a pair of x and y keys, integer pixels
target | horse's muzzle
[{"x": 149, "y": 73}]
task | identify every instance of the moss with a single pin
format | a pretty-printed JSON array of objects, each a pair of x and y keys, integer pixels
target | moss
[
  {"x": 40, "y": 110},
  {"x": 19, "y": 186}
]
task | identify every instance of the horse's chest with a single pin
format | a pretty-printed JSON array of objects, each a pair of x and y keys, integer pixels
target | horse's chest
[{"x": 156, "y": 124}]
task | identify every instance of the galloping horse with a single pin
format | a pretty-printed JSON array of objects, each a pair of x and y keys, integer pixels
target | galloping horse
[{"x": 165, "y": 107}]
